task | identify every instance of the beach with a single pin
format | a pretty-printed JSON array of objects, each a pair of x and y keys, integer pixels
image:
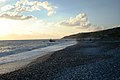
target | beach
[
  {"x": 87, "y": 60},
  {"x": 59, "y": 39},
  {"x": 16, "y": 61}
]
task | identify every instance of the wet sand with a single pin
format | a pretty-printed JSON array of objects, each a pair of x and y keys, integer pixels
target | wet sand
[{"x": 88, "y": 60}]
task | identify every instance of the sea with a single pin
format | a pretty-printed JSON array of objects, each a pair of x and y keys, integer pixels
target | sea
[
  {"x": 15, "y": 54},
  {"x": 17, "y": 50},
  {"x": 11, "y": 47}
]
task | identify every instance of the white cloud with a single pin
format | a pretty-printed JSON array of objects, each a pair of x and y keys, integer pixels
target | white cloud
[
  {"x": 7, "y": 7},
  {"x": 80, "y": 20},
  {"x": 96, "y": 28},
  {"x": 25, "y": 6},
  {"x": 15, "y": 16},
  {"x": 35, "y": 5},
  {"x": 29, "y": 6}
]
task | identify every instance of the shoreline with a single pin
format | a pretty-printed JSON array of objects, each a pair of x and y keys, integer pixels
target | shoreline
[
  {"x": 16, "y": 65},
  {"x": 42, "y": 53},
  {"x": 74, "y": 63}
]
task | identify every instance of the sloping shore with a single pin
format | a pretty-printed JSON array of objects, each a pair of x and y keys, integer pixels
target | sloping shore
[
  {"x": 88, "y": 60},
  {"x": 17, "y": 61}
]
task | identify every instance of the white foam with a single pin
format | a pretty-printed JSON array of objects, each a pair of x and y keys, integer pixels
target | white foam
[
  {"x": 28, "y": 56},
  {"x": 35, "y": 53}
]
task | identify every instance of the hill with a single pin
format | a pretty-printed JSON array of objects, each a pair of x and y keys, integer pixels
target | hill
[{"x": 111, "y": 34}]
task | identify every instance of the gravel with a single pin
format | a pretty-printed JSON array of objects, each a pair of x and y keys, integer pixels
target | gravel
[{"x": 101, "y": 62}]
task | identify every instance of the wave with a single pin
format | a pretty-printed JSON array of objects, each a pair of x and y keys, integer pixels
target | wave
[{"x": 35, "y": 53}]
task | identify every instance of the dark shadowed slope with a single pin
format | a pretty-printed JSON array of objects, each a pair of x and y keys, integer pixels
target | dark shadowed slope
[{"x": 113, "y": 33}]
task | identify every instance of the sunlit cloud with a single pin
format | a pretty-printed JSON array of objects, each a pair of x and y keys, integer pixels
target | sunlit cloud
[
  {"x": 15, "y": 11},
  {"x": 17, "y": 21},
  {"x": 80, "y": 21},
  {"x": 15, "y": 16},
  {"x": 29, "y": 6},
  {"x": 96, "y": 28},
  {"x": 7, "y": 7}
]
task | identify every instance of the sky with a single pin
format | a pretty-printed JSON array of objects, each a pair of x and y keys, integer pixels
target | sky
[{"x": 45, "y": 19}]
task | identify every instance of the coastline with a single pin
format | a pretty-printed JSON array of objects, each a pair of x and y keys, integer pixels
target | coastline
[
  {"x": 74, "y": 62},
  {"x": 14, "y": 62},
  {"x": 16, "y": 65}
]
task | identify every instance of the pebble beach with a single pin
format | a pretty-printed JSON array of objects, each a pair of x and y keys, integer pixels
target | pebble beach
[{"x": 87, "y": 60}]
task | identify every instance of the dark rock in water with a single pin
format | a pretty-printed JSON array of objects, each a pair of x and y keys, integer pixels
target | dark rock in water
[{"x": 51, "y": 40}]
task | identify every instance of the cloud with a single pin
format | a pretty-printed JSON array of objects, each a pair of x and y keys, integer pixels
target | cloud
[
  {"x": 81, "y": 22},
  {"x": 25, "y": 6},
  {"x": 15, "y": 16},
  {"x": 29, "y": 6},
  {"x": 95, "y": 28},
  {"x": 2, "y": 3},
  {"x": 7, "y": 7}
]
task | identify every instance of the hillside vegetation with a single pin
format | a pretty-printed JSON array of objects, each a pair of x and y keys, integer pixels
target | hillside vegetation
[{"x": 111, "y": 34}]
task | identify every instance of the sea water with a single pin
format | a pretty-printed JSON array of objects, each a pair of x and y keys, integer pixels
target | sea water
[
  {"x": 17, "y": 54},
  {"x": 11, "y": 51},
  {"x": 11, "y": 47}
]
